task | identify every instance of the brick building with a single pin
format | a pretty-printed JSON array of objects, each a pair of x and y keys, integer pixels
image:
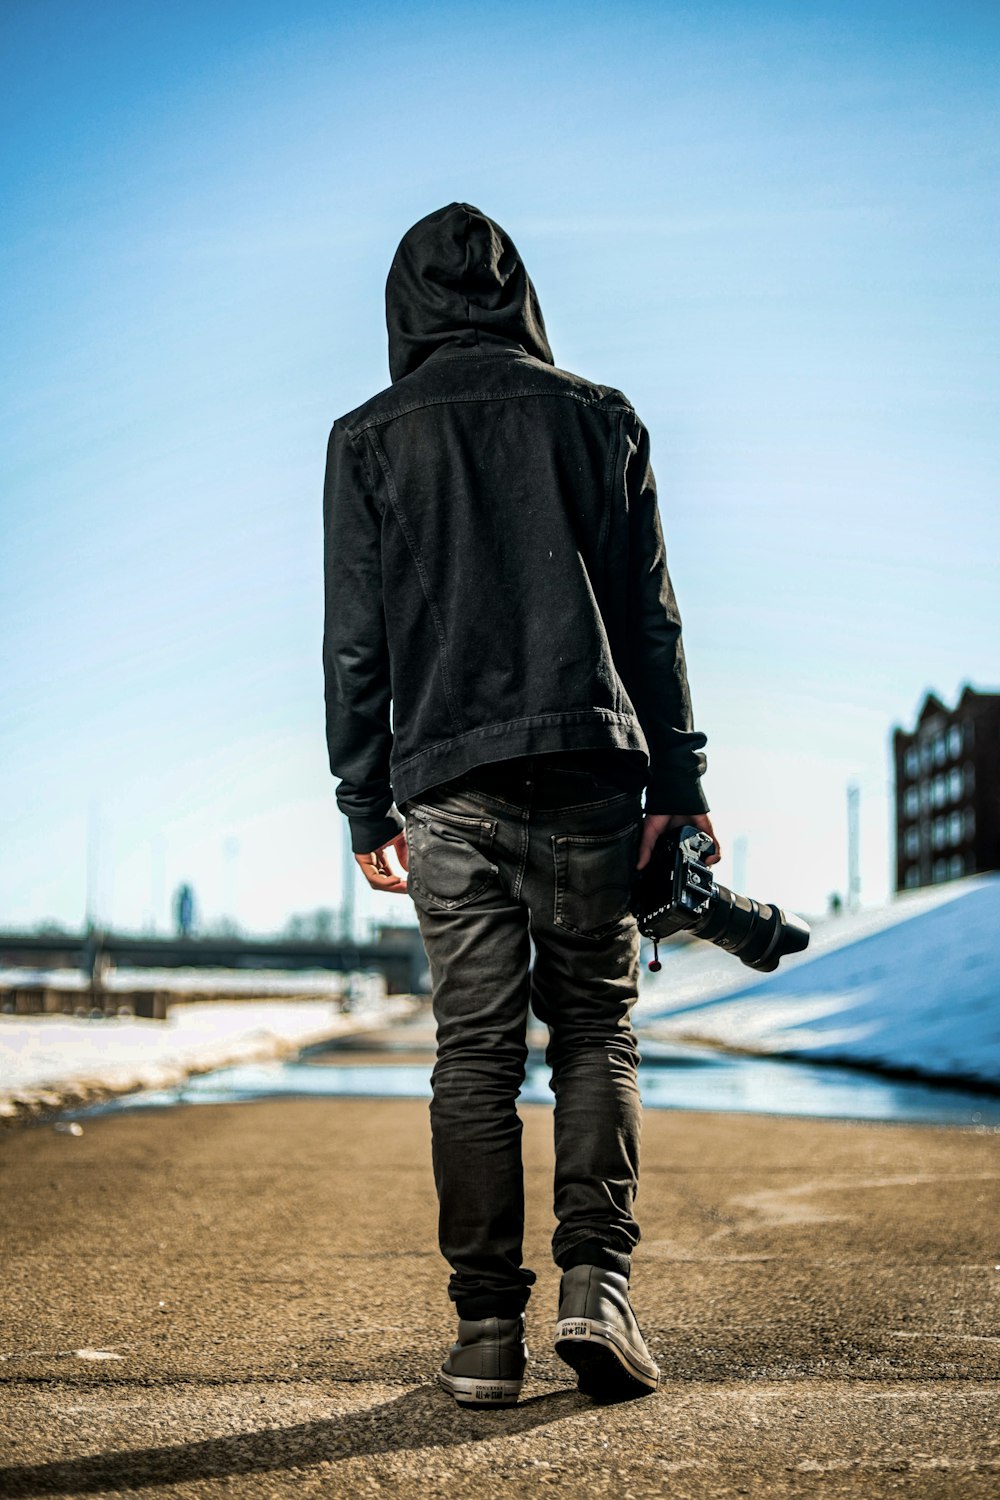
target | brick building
[{"x": 948, "y": 791}]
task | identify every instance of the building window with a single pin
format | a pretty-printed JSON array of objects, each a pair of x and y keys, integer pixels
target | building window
[{"x": 944, "y": 771}]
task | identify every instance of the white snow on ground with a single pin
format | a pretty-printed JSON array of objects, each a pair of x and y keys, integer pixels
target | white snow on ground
[
  {"x": 914, "y": 984},
  {"x": 48, "y": 1061},
  {"x": 198, "y": 981}
]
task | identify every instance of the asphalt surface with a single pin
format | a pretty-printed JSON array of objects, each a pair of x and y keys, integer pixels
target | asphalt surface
[{"x": 248, "y": 1300}]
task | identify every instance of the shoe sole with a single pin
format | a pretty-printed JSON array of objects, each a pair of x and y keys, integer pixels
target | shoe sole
[
  {"x": 468, "y": 1391},
  {"x": 605, "y": 1363}
]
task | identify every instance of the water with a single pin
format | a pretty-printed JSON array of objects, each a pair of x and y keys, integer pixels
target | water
[{"x": 671, "y": 1077}]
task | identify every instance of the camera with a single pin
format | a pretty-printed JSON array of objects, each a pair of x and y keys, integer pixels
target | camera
[{"x": 675, "y": 890}]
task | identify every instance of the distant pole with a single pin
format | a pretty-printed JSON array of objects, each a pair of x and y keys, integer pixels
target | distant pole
[
  {"x": 853, "y": 847},
  {"x": 107, "y": 902},
  {"x": 740, "y": 847},
  {"x": 348, "y": 868},
  {"x": 158, "y": 872},
  {"x": 93, "y": 861},
  {"x": 232, "y": 853}
]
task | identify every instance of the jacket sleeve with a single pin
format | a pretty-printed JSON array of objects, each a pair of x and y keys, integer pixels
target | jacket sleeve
[
  {"x": 355, "y": 650},
  {"x": 656, "y": 680}
]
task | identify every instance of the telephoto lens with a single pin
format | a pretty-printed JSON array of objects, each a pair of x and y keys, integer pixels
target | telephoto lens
[
  {"x": 758, "y": 934},
  {"x": 675, "y": 891}
]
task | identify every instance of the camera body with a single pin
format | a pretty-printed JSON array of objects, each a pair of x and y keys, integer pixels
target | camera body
[{"x": 676, "y": 891}]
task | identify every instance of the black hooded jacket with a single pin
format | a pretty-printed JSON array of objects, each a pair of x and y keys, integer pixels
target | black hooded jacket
[{"x": 496, "y": 580}]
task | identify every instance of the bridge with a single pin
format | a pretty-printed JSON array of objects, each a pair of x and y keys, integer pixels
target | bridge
[{"x": 397, "y": 952}]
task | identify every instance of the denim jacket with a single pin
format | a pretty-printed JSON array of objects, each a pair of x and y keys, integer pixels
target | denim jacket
[{"x": 496, "y": 582}]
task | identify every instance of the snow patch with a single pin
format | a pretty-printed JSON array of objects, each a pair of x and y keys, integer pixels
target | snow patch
[{"x": 914, "y": 985}]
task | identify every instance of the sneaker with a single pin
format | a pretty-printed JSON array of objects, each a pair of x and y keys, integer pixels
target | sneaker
[
  {"x": 597, "y": 1334},
  {"x": 486, "y": 1364}
]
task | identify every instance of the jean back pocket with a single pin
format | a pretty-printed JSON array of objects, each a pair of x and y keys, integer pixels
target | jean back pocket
[
  {"x": 449, "y": 863},
  {"x": 594, "y": 874}
]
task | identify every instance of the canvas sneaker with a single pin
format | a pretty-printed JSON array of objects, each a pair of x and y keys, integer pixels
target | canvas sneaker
[
  {"x": 485, "y": 1366},
  {"x": 597, "y": 1334}
]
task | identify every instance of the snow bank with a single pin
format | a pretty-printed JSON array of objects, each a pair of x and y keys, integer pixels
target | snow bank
[
  {"x": 50, "y": 1062},
  {"x": 197, "y": 981},
  {"x": 913, "y": 986}
]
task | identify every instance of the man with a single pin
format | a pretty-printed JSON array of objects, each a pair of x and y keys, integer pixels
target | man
[{"x": 496, "y": 575}]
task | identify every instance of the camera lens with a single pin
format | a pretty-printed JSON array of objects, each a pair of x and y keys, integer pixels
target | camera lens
[{"x": 754, "y": 932}]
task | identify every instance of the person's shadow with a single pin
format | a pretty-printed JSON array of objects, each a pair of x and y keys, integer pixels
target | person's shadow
[{"x": 421, "y": 1418}]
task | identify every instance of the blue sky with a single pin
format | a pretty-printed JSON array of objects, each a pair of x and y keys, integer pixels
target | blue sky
[{"x": 774, "y": 226}]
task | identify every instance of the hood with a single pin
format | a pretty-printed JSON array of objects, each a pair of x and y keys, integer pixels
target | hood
[{"x": 457, "y": 278}]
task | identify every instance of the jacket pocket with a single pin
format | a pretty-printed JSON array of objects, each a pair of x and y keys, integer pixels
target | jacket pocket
[
  {"x": 449, "y": 862},
  {"x": 594, "y": 874}
]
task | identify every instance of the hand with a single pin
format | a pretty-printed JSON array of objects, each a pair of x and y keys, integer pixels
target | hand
[
  {"x": 656, "y": 823},
  {"x": 378, "y": 868}
]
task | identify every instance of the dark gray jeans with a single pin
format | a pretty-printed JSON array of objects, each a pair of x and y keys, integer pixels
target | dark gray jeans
[{"x": 494, "y": 856}]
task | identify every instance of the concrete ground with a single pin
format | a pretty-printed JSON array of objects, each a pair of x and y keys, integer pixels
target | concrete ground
[{"x": 248, "y": 1300}]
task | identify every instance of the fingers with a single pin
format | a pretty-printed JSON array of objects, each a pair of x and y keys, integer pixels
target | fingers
[
  {"x": 713, "y": 859},
  {"x": 703, "y": 823},
  {"x": 646, "y": 842},
  {"x": 657, "y": 823},
  {"x": 379, "y": 873}
]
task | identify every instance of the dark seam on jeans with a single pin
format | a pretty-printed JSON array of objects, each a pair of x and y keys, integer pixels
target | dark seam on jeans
[{"x": 523, "y": 863}]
